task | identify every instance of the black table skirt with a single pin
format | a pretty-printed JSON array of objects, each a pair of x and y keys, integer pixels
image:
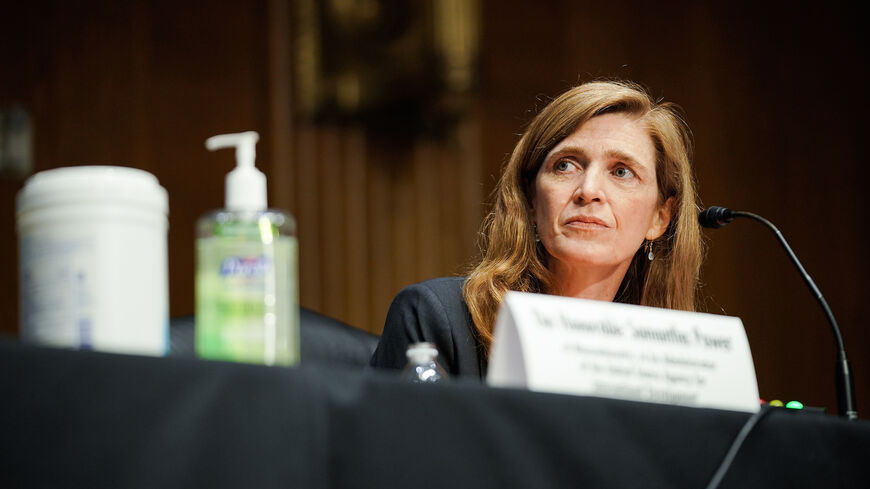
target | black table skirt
[{"x": 84, "y": 419}]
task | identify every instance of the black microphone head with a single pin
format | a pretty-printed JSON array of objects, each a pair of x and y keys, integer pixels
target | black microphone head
[{"x": 715, "y": 217}]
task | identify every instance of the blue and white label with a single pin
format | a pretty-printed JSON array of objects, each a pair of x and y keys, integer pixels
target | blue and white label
[
  {"x": 244, "y": 266},
  {"x": 56, "y": 296}
]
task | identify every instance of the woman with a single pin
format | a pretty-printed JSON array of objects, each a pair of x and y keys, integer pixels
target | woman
[{"x": 597, "y": 201}]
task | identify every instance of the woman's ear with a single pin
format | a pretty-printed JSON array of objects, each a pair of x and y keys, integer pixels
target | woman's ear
[{"x": 661, "y": 220}]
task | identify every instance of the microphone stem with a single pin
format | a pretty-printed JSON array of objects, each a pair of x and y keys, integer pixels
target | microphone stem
[{"x": 845, "y": 386}]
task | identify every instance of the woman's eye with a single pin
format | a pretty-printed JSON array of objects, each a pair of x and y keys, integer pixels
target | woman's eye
[
  {"x": 563, "y": 165},
  {"x": 623, "y": 172}
]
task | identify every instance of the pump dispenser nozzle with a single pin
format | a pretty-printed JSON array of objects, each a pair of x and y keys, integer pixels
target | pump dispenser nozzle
[{"x": 245, "y": 185}]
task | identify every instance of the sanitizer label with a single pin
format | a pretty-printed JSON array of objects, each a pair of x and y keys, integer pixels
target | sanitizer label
[
  {"x": 246, "y": 300},
  {"x": 245, "y": 266}
]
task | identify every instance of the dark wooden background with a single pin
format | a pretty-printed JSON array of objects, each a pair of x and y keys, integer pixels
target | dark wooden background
[{"x": 775, "y": 96}]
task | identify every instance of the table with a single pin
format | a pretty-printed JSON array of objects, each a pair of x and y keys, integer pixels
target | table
[{"x": 86, "y": 419}]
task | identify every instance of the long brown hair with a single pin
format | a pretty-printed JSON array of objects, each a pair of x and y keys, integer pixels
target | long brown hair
[{"x": 513, "y": 260}]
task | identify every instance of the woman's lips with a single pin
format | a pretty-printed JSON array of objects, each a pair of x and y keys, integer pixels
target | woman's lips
[{"x": 586, "y": 222}]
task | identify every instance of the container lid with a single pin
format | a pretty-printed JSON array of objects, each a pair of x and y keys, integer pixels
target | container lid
[{"x": 110, "y": 185}]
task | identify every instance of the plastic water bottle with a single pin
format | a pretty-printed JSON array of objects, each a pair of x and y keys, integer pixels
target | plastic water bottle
[{"x": 422, "y": 365}]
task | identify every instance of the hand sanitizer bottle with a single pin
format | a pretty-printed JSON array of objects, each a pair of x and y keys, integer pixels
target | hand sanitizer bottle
[{"x": 246, "y": 271}]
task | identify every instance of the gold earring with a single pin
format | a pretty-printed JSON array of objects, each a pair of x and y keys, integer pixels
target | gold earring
[{"x": 649, "y": 250}]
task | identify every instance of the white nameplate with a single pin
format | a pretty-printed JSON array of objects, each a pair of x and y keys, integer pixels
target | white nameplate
[{"x": 575, "y": 346}]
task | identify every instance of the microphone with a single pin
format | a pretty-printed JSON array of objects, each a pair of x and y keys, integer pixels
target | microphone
[{"x": 716, "y": 217}]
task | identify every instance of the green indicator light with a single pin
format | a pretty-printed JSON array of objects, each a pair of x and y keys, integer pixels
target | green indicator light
[{"x": 794, "y": 405}]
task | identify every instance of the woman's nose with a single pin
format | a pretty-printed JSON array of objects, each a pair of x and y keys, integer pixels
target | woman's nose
[{"x": 590, "y": 188}]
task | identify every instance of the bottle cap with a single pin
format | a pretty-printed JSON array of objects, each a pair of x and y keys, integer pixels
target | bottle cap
[{"x": 422, "y": 352}]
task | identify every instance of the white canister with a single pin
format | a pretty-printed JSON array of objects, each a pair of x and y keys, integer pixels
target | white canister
[{"x": 92, "y": 260}]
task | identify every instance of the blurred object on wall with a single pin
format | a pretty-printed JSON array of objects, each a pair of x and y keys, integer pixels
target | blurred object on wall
[
  {"x": 16, "y": 142},
  {"x": 396, "y": 65}
]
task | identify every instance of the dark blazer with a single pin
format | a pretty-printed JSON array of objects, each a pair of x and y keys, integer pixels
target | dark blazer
[{"x": 432, "y": 311}]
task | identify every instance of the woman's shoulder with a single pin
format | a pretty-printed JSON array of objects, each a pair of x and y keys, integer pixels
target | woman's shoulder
[
  {"x": 442, "y": 287},
  {"x": 444, "y": 293},
  {"x": 432, "y": 311}
]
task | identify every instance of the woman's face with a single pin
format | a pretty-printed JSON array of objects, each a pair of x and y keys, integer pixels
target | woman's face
[{"x": 596, "y": 196}]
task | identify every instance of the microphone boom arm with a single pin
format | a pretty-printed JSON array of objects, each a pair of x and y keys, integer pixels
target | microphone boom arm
[{"x": 845, "y": 386}]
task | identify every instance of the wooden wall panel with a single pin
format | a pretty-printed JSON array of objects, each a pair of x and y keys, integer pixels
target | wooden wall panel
[
  {"x": 375, "y": 216},
  {"x": 356, "y": 250},
  {"x": 427, "y": 203},
  {"x": 143, "y": 84},
  {"x": 138, "y": 84},
  {"x": 306, "y": 167},
  {"x": 332, "y": 193},
  {"x": 379, "y": 237}
]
